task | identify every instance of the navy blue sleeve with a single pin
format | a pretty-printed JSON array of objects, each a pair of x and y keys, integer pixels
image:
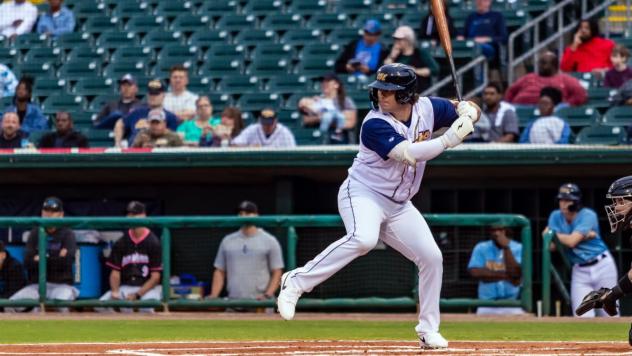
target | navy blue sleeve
[
  {"x": 172, "y": 120},
  {"x": 444, "y": 112},
  {"x": 380, "y": 137}
]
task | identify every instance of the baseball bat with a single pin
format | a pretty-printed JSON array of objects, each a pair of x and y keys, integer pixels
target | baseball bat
[{"x": 444, "y": 37}]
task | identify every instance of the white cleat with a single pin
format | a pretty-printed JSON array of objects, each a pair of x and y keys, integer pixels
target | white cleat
[
  {"x": 286, "y": 302},
  {"x": 433, "y": 341}
]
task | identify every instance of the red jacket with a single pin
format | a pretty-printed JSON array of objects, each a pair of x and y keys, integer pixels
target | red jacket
[
  {"x": 526, "y": 90},
  {"x": 594, "y": 54}
]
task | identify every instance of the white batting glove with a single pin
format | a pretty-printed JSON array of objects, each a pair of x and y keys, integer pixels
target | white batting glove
[
  {"x": 466, "y": 108},
  {"x": 460, "y": 128}
]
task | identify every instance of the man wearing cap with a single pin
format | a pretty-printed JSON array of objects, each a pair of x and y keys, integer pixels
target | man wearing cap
[
  {"x": 495, "y": 263},
  {"x": 114, "y": 110},
  {"x": 250, "y": 260},
  {"x": 136, "y": 263},
  {"x": 60, "y": 255},
  {"x": 363, "y": 56},
  {"x": 64, "y": 135},
  {"x": 12, "y": 276},
  {"x": 268, "y": 132},
  {"x": 157, "y": 135},
  {"x": 130, "y": 125}
]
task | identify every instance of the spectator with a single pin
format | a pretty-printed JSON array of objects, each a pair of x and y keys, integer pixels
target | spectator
[
  {"x": 620, "y": 71},
  {"x": 12, "y": 276},
  {"x": 623, "y": 95},
  {"x": 495, "y": 263},
  {"x": 547, "y": 129},
  {"x": 31, "y": 116},
  {"x": 589, "y": 51},
  {"x": 136, "y": 263},
  {"x": 405, "y": 51},
  {"x": 487, "y": 28},
  {"x": 114, "y": 110},
  {"x": 64, "y": 135},
  {"x": 230, "y": 126},
  {"x": 17, "y": 18},
  {"x": 191, "y": 130},
  {"x": 60, "y": 255},
  {"x": 132, "y": 123},
  {"x": 12, "y": 136},
  {"x": 577, "y": 229},
  {"x": 526, "y": 90},
  {"x": 179, "y": 100},
  {"x": 331, "y": 109},
  {"x": 157, "y": 135},
  {"x": 8, "y": 81},
  {"x": 250, "y": 260},
  {"x": 57, "y": 21},
  {"x": 482, "y": 127},
  {"x": 502, "y": 116},
  {"x": 268, "y": 132},
  {"x": 428, "y": 28},
  {"x": 364, "y": 56}
]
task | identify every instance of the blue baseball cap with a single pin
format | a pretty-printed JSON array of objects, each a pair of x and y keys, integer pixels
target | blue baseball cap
[{"x": 372, "y": 27}]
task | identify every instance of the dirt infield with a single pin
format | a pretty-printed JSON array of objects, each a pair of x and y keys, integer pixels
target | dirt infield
[{"x": 469, "y": 348}]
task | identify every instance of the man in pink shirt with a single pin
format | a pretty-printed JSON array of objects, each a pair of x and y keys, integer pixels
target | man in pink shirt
[
  {"x": 589, "y": 51},
  {"x": 526, "y": 90}
]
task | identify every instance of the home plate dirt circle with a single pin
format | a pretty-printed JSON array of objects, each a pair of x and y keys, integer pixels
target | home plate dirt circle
[{"x": 469, "y": 348}]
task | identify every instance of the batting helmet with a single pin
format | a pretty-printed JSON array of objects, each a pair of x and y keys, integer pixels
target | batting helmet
[
  {"x": 396, "y": 77},
  {"x": 619, "y": 212},
  {"x": 570, "y": 191}
]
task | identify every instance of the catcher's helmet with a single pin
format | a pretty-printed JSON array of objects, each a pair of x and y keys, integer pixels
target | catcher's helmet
[
  {"x": 620, "y": 211},
  {"x": 396, "y": 77}
]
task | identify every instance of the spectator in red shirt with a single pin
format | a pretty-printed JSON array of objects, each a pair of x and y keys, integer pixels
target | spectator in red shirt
[
  {"x": 589, "y": 51},
  {"x": 620, "y": 72},
  {"x": 526, "y": 90}
]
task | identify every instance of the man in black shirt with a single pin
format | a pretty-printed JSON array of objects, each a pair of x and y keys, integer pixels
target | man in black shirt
[
  {"x": 136, "y": 263},
  {"x": 60, "y": 255},
  {"x": 12, "y": 276},
  {"x": 11, "y": 135},
  {"x": 114, "y": 110},
  {"x": 64, "y": 135}
]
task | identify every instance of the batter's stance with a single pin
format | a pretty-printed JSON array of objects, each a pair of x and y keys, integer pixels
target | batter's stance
[{"x": 374, "y": 201}]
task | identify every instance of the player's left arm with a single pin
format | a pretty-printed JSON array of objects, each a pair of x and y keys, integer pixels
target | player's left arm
[
  {"x": 581, "y": 232},
  {"x": 273, "y": 285},
  {"x": 154, "y": 279},
  {"x": 512, "y": 266}
]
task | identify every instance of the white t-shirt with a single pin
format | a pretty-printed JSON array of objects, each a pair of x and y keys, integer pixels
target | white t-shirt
[
  {"x": 10, "y": 12},
  {"x": 253, "y": 135},
  {"x": 182, "y": 102}
]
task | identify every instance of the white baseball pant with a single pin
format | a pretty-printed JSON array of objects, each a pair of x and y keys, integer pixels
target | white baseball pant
[
  {"x": 369, "y": 216},
  {"x": 586, "y": 279},
  {"x": 56, "y": 291},
  {"x": 124, "y": 290}
]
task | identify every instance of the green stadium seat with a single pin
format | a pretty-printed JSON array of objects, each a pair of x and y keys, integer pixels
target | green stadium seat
[
  {"x": 255, "y": 37},
  {"x": 5, "y": 102},
  {"x": 94, "y": 86},
  {"x": 579, "y": 116},
  {"x": 36, "y": 70},
  {"x": 162, "y": 69},
  {"x": 238, "y": 84},
  {"x": 399, "y": 6},
  {"x": 535, "y": 7},
  {"x": 180, "y": 52},
  {"x": 353, "y": 6},
  {"x": 43, "y": 55},
  {"x": 307, "y": 7},
  {"x": 87, "y": 9},
  {"x": 288, "y": 84},
  {"x": 601, "y": 135},
  {"x": 262, "y": 7},
  {"x": 292, "y": 101},
  {"x": 133, "y": 53},
  {"x": 288, "y": 117},
  {"x": 30, "y": 40},
  {"x": 360, "y": 98},
  {"x": 145, "y": 23},
  {"x": 271, "y": 50},
  {"x": 413, "y": 19},
  {"x": 82, "y": 120},
  {"x": 307, "y": 136},
  {"x": 515, "y": 18},
  {"x": 302, "y": 36},
  {"x": 585, "y": 79},
  {"x": 9, "y": 56},
  {"x": 49, "y": 86},
  {"x": 526, "y": 115},
  {"x": 191, "y": 23},
  {"x": 342, "y": 36},
  {"x": 327, "y": 22},
  {"x": 269, "y": 66},
  {"x": 599, "y": 97},
  {"x": 220, "y": 101},
  {"x": 320, "y": 49},
  {"x": 116, "y": 39},
  {"x": 465, "y": 49},
  {"x": 62, "y": 102},
  {"x": 387, "y": 20},
  {"x": 127, "y": 9},
  {"x": 174, "y": 8},
  {"x": 316, "y": 66},
  {"x": 235, "y": 23},
  {"x": 69, "y": 41},
  {"x": 99, "y": 138},
  {"x": 199, "y": 84},
  {"x": 80, "y": 68},
  {"x": 626, "y": 41},
  {"x": 258, "y": 101},
  {"x": 99, "y": 24},
  {"x": 160, "y": 38},
  {"x": 225, "y": 51},
  {"x": 218, "y": 8},
  {"x": 206, "y": 39},
  {"x": 87, "y": 53},
  {"x": 618, "y": 116},
  {"x": 282, "y": 22},
  {"x": 115, "y": 70},
  {"x": 99, "y": 101},
  {"x": 219, "y": 66}
]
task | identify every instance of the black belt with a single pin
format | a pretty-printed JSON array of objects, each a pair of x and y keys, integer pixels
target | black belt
[{"x": 593, "y": 262}]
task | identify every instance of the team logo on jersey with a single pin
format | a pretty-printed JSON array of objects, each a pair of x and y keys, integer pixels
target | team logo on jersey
[{"x": 423, "y": 136}]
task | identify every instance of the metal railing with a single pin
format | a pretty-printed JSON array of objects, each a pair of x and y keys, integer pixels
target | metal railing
[
  {"x": 472, "y": 65},
  {"x": 288, "y": 222},
  {"x": 549, "y": 271}
]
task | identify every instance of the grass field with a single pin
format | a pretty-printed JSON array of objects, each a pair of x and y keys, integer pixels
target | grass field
[{"x": 28, "y": 331}]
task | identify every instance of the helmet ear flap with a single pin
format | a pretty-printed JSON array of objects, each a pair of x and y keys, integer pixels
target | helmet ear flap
[{"x": 373, "y": 98}]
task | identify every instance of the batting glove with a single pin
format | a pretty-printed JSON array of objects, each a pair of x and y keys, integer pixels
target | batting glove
[
  {"x": 466, "y": 108},
  {"x": 460, "y": 128}
]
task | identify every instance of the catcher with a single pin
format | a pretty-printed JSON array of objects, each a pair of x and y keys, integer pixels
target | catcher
[{"x": 620, "y": 218}]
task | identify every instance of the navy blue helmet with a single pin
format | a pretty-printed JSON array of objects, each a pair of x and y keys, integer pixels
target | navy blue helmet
[{"x": 396, "y": 77}]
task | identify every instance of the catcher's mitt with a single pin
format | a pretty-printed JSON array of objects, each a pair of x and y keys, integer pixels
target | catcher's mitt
[{"x": 597, "y": 299}]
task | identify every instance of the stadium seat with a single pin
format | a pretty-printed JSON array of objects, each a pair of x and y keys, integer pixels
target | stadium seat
[
  {"x": 132, "y": 53},
  {"x": 238, "y": 84},
  {"x": 49, "y": 86},
  {"x": 199, "y": 84},
  {"x": 94, "y": 86},
  {"x": 116, "y": 39},
  {"x": 515, "y": 19},
  {"x": 99, "y": 101},
  {"x": 353, "y": 6},
  {"x": 87, "y": 9},
  {"x": 99, "y": 24},
  {"x": 87, "y": 53},
  {"x": 99, "y": 138},
  {"x": 218, "y": 8},
  {"x": 218, "y": 67},
  {"x": 288, "y": 84},
  {"x": 413, "y": 18},
  {"x": 225, "y": 51},
  {"x": 307, "y": 136},
  {"x": 73, "y": 40},
  {"x": 618, "y": 116},
  {"x": 255, "y": 37},
  {"x": 268, "y": 50},
  {"x": 288, "y": 117},
  {"x": 601, "y": 135},
  {"x": 115, "y": 70},
  {"x": 465, "y": 49},
  {"x": 82, "y": 120},
  {"x": 220, "y": 101},
  {"x": 320, "y": 49},
  {"x": 292, "y": 101},
  {"x": 399, "y": 6},
  {"x": 282, "y": 22},
  {"x": 30, "y": 40},
  {"x": 387, "y": 20},
  {"x": 179, "y": 52},
  {"x": 327, "y": 22},
  {"x": 9, "y": 56},
  {"x": 579, "y": 116},
  {"x": 360, "y": 98},
  {"x": 43, "y": 55},
  {"x": 62, "y": 102},
  {"x": 587, "y": 80},
  {"x": 269, "y": 66},
  {"x": 162, "y": 69},
  {"x": 258, "y": 101},
  {"x": 191, "y": 23},
  {"x": 342, "y": 36},
  {"x": 145, "y": 23},
  {"x": 36, "y": 70},
  {"x": 302, "y": 36},
  {"x": 174, "y": 8},
  {"x": 262, "y": 7},
  {"x": 206, "y": 39},
  {"x": 127, "y": 9},
  {"x": 160, "y": 38},
  {"x": 599, "y": 97},
  {"x": 236, "y": 23},
  {"x": 307, "y": 7},
  {"x": 316, "y": 65},
  {"x": 5, "y": 102},
  {"x": 526, "y": 115},
  {"x": 80, "y": 68}
]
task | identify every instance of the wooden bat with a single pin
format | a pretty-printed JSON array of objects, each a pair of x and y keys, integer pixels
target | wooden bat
[{"x": 444, "y": 36}]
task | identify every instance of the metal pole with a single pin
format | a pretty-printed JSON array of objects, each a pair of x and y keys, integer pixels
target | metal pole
[
  {"x": 41, "y": 253},
  {"x": 546, "y": 273},
  {"x": 166, "y": 267},
  {"x": 292, "y": 241},
  {"x": 628, "y": 21},
  {"x": 560, "y": 38},
  {"x": 527, "y": 268}
]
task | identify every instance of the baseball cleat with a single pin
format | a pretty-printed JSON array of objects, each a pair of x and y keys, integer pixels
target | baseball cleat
[
  {"x": 433, "y": 341},
  {"x": 288, "y": 297}
]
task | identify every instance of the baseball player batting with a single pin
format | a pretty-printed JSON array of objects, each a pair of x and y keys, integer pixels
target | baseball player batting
[
  {"x": 620, "y": 218},
  {"x": 374, "y": 200}
]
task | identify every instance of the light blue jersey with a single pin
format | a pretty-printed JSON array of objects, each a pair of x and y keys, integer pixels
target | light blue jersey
[
  {"x": 584, "y": 222},
  {"x": 487, "y": 255}
]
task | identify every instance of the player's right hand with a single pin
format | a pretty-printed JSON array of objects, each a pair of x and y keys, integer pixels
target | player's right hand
[{"x": 460, "y": 128}]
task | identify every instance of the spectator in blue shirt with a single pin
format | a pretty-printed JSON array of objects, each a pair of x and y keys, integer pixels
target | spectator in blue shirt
[
  {"x": 57, "y": 21},
  {"x": 488, "y": 29},
  {"x": 495, "y": 263},
  {"x": 364, "y": 56},
  {"x": 548, "y": 128},
  {"x": 31, "y": 116},
  {"x": 8, "y": 81}
]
